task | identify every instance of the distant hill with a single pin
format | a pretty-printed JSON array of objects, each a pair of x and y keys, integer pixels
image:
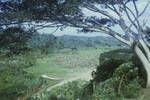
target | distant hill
[
  {"x": 48, "y": 42},
  {"x": 69, "y": 41}
]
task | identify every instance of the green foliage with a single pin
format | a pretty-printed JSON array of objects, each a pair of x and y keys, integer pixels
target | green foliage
[
  {"x": 105, "y": 90},
  {"x": 119, "y": 54},
  {"x": 106, "y": 69},
  {"x": 128, "y": 80},
  {"x": 132, "y": 89},
  {"x": 116, "y": 78},
  {"x": 109, "y": 61},
  {"x": 126, "y": 68},
  {"x": 12, "y": 86},
  {"x": 14, "y": 40},
  {"x": 54, "y": 10},
  {"x": 14, "y": 81},
  {"x": 45, "y": 43},
  {"x": 123, "y": 84},
  {"x": 70, "y": 91}
]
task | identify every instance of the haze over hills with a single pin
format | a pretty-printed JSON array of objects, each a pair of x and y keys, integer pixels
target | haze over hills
[
  {"x": 49, "y": 42},
  {"x": 82, "y": 41}
]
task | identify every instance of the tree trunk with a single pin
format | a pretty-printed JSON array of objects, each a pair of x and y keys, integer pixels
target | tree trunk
[{"x": 145, "y": 62}]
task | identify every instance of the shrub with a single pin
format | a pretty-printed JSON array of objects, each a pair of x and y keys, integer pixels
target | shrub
[
  {"x": 109, "y": 61},
  {"x": 16, "y": 84},
  {"x": 124, "y": 83},
  {"x": 105, "y": 90},
  {"x": 14, "y": 80},
  {"x": 119, "y": 54},
  {"x": 70, "y": 91},
  {"x": 106, "y": 69},
  {"x": 13, "y": 40},
  {"x": 128, "y": 80}
]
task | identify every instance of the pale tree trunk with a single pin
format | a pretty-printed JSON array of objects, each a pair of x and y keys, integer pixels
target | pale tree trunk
[{"x": 145, "y": 62}]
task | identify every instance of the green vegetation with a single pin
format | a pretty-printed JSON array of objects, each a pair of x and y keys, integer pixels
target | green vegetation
[
  {"x": 16, "y": 55},
  {"x": 125, "y": 83},
  {"x": 21, "y": 72},
  {"x": 14, "y": 81},
  {"x": 120, "y": 83},
  {"x": 27, "y": 74},
  {"x": 115, "y": 77},
  {"x": 14, "y": 40},
  {"x": 88, "y": 42},
  {"x": 36, "y": 66},
  {"x": 70, "y": 91},
  {"x": 60, "y": 64}
]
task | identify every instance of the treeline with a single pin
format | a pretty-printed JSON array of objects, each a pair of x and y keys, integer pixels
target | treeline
[
  {"x": 68, "y": 41},
  {"x": 16, "y": 40}
]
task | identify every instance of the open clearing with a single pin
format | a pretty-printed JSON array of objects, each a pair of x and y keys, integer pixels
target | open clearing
[
  {"x": 67, "y": 65},
  {"x": 70, "y": 66}
]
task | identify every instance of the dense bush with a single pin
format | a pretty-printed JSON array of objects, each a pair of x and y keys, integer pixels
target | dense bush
[
  {"x": 128, "y": 83},
  {"x": 118, "y": 54},
  {"x": 45, "y": 43},
  {"x": 19, "y": 85},
  {"x": 109, "y": 61},
  {"x": 117, "y": 76},
  {"x": 18, "y": 51},
  {"x": 70, "y": 91},
  {"x": 14, "y": 80},
  {"x": 124, "y": 83},
  {"x": 13, "y": 40}
]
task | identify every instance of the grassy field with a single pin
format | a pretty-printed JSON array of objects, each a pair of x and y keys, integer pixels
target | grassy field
[
  {"x": 22, "y": 73},
  {"x": 67, "y": 64}
]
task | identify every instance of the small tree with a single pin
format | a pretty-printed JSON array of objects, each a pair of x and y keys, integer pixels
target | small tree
[
  {"x": 14, "y": 40},
  {"x": 46, "y": 43}
]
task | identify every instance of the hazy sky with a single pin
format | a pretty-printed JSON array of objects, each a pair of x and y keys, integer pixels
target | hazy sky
[{"x": 72, "y": 31}]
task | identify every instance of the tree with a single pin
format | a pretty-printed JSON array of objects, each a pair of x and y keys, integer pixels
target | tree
[
  {"x": 14, "y": 40},
  {"x": 45, "y": 43},
  {"x": 62, "y": 13}
]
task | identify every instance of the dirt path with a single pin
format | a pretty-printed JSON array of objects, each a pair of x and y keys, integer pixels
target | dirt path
[
  {"x": 83, "y": 76},
  {"x": 50, "y": 78}
]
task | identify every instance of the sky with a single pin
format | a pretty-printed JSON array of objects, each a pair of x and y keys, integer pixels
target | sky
[{"x": 73, "y": 31}]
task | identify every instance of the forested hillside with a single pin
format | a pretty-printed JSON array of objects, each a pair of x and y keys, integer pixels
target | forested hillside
[{"x": 82, "y": 41}]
